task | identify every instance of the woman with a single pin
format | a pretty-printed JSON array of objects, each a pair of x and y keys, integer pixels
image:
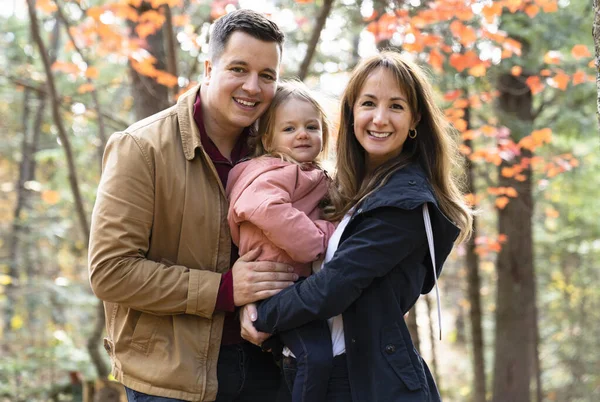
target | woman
[{"x": 395, "y": 154}]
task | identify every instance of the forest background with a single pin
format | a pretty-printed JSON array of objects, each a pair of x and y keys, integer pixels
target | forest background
[{"x": 521, "y": 300}]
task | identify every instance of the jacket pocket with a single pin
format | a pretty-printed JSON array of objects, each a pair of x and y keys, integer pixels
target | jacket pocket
[
  {"x": 396, "y": 353},
  {"x": 143, "y": 332}
]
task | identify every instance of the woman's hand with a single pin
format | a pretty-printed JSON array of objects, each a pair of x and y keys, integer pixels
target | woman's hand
[{"x": 248, "y": 315}]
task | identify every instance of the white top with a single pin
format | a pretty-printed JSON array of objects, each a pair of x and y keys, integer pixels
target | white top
[{"x": 336, "y": 324}]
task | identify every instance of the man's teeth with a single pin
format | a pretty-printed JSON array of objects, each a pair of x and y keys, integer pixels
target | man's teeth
[
  {"x": 379, "y": 135},
  {"x": 245, "y": 103}
]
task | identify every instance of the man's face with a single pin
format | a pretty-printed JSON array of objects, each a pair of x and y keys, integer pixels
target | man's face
[{"x": 241, "y": 83}]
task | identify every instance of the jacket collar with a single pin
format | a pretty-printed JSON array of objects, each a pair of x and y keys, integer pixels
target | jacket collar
[{"x": 190, "y": 134}]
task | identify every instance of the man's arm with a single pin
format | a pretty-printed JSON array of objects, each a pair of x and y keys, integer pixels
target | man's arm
[{"x": 120, "y": 238}]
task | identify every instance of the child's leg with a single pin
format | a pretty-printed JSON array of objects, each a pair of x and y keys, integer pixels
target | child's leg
[{"x": 311, "y": 344}]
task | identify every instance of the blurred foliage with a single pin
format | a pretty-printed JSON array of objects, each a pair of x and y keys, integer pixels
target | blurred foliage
[{"x": 47, "y": 309}]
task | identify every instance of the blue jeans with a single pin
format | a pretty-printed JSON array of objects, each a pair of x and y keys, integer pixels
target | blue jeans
[
  {"x": 135, "y": 396},
  {"x": 245, "y": 374},
  {"x": 338, "y": 387},
  {"x": 311, "y": 345}
]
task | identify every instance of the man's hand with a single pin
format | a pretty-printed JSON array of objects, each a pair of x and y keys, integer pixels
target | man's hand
[
  {"x": 257, "y": 280},
  {"x": 248, "y": 315}
]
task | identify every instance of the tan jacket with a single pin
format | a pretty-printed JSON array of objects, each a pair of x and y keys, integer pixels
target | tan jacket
[{"x": 159, "y": 243}]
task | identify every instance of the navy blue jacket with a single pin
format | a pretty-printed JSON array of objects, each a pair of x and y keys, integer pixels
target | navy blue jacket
[{"x": 379, "y": 270}]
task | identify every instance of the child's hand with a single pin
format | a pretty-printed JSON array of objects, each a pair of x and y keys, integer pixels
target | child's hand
[{"x": 248, "y": 315}]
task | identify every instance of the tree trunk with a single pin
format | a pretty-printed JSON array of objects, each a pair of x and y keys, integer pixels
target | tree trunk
[
  {"x": 514, "y": 344},
  {"x": 413, "y": 328},
  {"x": 433, "y": 339},
  {"x": 149, "y": 97},
  {"x": 171, "y": 47},
  {"x": 314, "y": 39},
  {"x": 64, "y": 140},
  {"x": 474, "y": 286},
  {"x": 596, "y": 35}
]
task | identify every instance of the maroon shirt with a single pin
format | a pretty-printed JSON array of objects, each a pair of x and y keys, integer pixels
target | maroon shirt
[{"x": 231, "y": 326}]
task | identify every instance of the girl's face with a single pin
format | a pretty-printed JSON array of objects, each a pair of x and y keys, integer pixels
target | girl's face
[
  {"x": 297, "y": 130},
  {"x": 382, "y": 118}
]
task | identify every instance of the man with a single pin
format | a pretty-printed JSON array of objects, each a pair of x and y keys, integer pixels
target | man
[{"x": 160, "y": 249}]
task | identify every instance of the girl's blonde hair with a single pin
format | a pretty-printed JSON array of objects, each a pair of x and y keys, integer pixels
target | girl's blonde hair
[
  {"x": 286, "y": 90},
  {"x": 433, "y": 149}
]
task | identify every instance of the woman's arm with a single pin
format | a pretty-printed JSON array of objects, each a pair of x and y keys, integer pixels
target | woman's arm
[{"x": 379, "y": 241}]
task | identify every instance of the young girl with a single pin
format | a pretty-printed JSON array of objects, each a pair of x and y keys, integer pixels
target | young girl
[{"x": 274, "y": 205}]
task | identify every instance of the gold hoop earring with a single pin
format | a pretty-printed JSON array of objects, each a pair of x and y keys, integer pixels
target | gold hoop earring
[{"x": 412, "y": 134}]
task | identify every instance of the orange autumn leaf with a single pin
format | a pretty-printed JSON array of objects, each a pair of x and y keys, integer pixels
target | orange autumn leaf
[
  {"x": 513, "y": 5},
  {"x": 452, "y": 95},
  {"x": 85, "y": 88},
  {"x": 580, "y": 52},
  {"x": 145, "y": 29},
  {"x": 508, "y": 172},
  {"x": 527, "y": 143},
  {"x": 550, "y": 7},
  {"x": 91, "y": 72},
  {"x": 154, "y": 17},
  {"x": 462, "y": 61},
  {"x": 545, "y": 72},
  {"x": 520, "y": 177},
  {"x": 488, "y": 131},
  {"x": 494, "y": 191},
  {"x": 501, "y": 202},
  {"x": 516, "y": 70},
  {"x": 465, "y": 150},
  {"x": 460, "y": 125},
  {"x": 502, "y": 238},
  {"x": 532, "y": 10},
  {"x": 469, "y": 135},
  {"x": 478, "y": 70},
  {"x": 170, "y": 3},
  {"x": 166, "y": 79},
  {"x": 579, "y": 77},
  {"x": 69, "y": 68},
  {"x": 46, "y": 6},
  {"x": 552, "y": 57},
  {"x": 436, "y": 60},
  {"x": 491, "y": 11},
  {"x": 95, "y": 12},
  {"x": 510, "y": 192},
  {"x": 50, "y": 197},
  {"x": 560, "y": 80},
  {"x": 472, "y": 199},
  {"x": 461, "y": 104},
  {"x": 542, "y": 136},
  {"x": 181, "y": 20},
  {"x": 535, "y": 84},
  {"x": 551, "y": 212}
]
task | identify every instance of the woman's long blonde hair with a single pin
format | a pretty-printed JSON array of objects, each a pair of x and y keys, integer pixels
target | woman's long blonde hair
[
  {"x": 433, "y": 148},
  {"x": 286, "y": 90}
]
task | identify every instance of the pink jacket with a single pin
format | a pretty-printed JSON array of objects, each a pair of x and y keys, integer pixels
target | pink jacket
[{"x": 275, "y": 205}]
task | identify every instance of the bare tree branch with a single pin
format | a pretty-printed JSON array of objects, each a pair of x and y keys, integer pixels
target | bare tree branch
[
  {"x": 94, "y": 92},
  {"x": 596, "y": 35},
  {"x": 314, "y": 40},
  {"x": 66, "y": 101}
]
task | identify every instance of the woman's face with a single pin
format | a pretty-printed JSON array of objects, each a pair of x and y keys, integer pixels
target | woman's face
[{"x": 382, "y": 118}]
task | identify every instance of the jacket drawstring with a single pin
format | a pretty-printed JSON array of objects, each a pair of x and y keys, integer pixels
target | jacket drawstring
[{"x": 429, "y": 230}]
